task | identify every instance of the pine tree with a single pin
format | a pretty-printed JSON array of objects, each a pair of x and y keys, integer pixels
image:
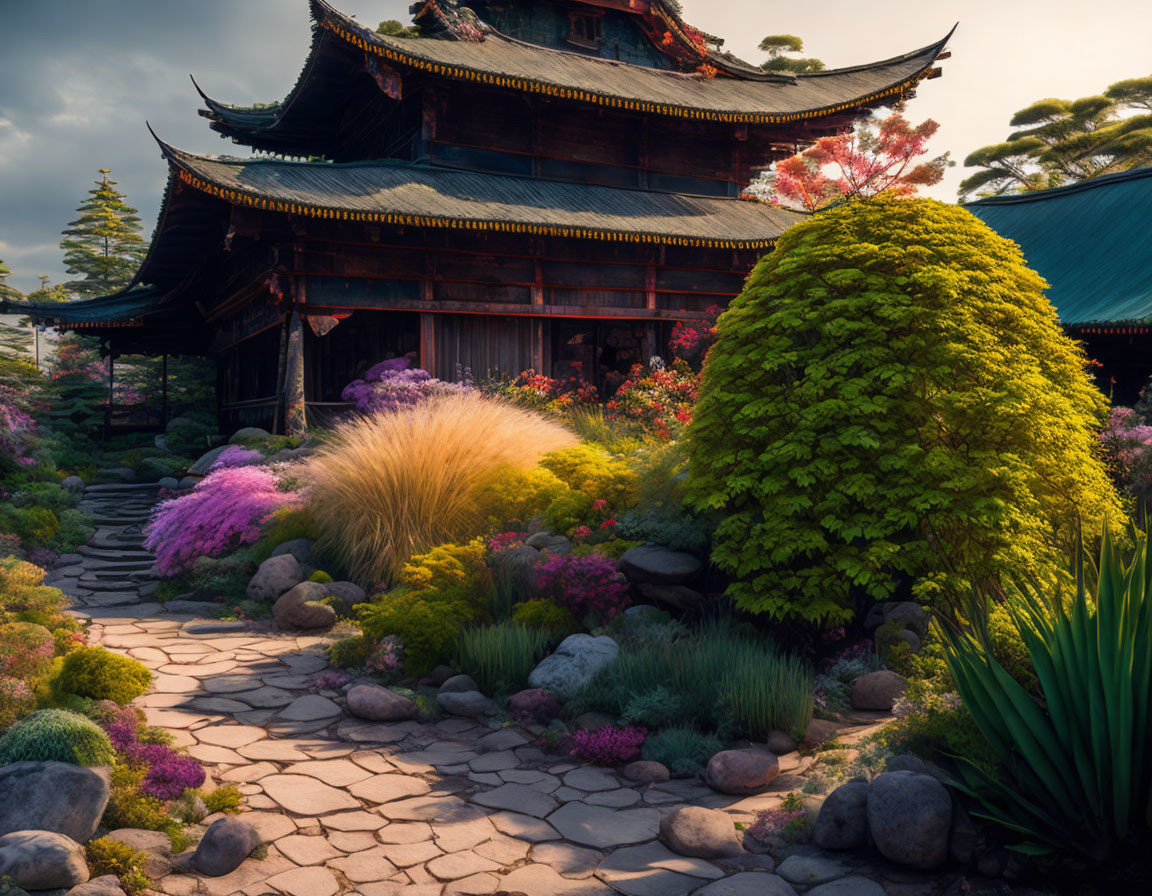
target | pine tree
[
  {"x": 6, "y": 291},
  {"x": 103, "y": 244}
]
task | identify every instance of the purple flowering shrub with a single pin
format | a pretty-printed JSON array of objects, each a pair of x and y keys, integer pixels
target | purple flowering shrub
[
  {"x": 586, "y": 586},
  {"x": 223, "y": 511},
  {"x": 395, "y": 384},
  {"x": 237, "y": 456},
  {"x": 1127, "y": 441},
  {"x": 168, "y": 774},
  {"x": 788, "y": 823},
  {"x": 609, "y": 745},
  {"x": 16, "y": 424}
]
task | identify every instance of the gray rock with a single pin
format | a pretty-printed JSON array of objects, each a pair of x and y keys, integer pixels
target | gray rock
[
  {"x": 645, "y": 771},
  {"x": 52, "y": 796},
  {"x": 780, "y": 742},
  {"x": 225, "y": 845},
  {"x": 248, "y": 432},
  {"x": 300, "y": 548},
  {"x": 546, "y": 541},
  {"x": 42, "y": 860},
  {"x": 575, "y": 661},
  {"x": 536, "y": 524},
  {"x": 909, "y": 818},
  {"x": 300, "y": 607},
  {"x": 458, "y": 684},
  {"x": 204, "y": 464},
  {"x": 498, "y": 741},
  {"x": 156, "y": 847},
  {"x": 699, "y": 832},
  {"x": 169, "y": 482},
  {"x": 848, "y": 886},
  {"x": 284, "y": 455},
  {"x": 843, "y": 819},
  {"x": 349, "y": 592},
  {"x": 273, "y": 577},
  {"x": 377, "y": 704},
  {"x": 439, "y": 675},
  {"x": 189, "y": 481},
  {"x": 748, "y": 883},
  {"x": 911, "y": 639},
  {"x": 177, "y": 423},
  {"x": 592, "y": 720},
  {"x": 910, "y": 615},
  {"x": 802, "y": 869},
  {"x": 742, "y": 771},
  {"x": 515, "y": 568},
  {"x": 105, "y": 885},
  {"x": 877, "y": 690},
  {"x": 654, "y": 565},
  {"x": 679, "y": 597},
  {"x": 73, "y": 484},
  {"x": 469, "y": 704},
  {"x": 160, "y": 442}
]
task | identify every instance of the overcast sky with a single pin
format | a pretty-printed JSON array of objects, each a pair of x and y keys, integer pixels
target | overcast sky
[{"x": 78, "y": 79}]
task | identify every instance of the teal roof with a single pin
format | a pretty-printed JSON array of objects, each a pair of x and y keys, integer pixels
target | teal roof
[
  {"x": 123, "y": 306},
  {"x": 1091, "y": 241}
]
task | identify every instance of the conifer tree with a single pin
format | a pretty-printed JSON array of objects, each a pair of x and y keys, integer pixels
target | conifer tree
[
  {"x": 6, "y": 291},
  {"x": 103, "y": 244}
]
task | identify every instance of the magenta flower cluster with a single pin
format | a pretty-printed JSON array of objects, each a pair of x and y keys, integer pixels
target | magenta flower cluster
[
  {"x": 169, "y": 774},
  {"x": 395, "y": 384},
  {"x": 585, "y": 585},
  {"x": 1127, "y": 441},
  {"x": 222, "y": 511},
  {"x": 237, "y": 456},
  {"x": 609, "y": 745},
  {"x": 15, "y": 423}
]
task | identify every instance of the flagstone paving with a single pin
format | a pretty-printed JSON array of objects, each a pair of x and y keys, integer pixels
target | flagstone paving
[{"x": 377, "y": 809}]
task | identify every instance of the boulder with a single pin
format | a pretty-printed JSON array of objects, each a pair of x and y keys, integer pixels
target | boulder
[
  {"x": 188, "y": 482},
  {"x": 168, "y": 482},
  {"x": 73, "y": 484},
  {"x": 843, "y": 819},
  {"x": 300, "y": 548},
  {"x": 273, "y": 577},
  {"x": 42, "y": 860},
  {"x": 910, "y": 638},
  {"x": 780, "y": 742},
  {"x": 105, "y": 885},
  {"x": 204, "y": 464},
  {"x": 156, "y": 847},
  {"x": 546, "y": 541},
  {"x": 248, "y": 432},
  {"x": 910, "y": 818},
  {"x": 910, "y": 615},
  {"x": 645, "y": 771},
  {"x": 536, "y": 524},
  {"x": 575, "y": 661},
  {"x": 654, "y": 565},
  {"x": 679, "y": 597},
  {"x": 469, "y": 704},
  {"x": 699, "y": 832},
  {"x": 225, "y": 845},
  {"x": 820, "y": 731},
  {"x": 458, "y": 684},
  {"x": 348, "y": 592},
  {"x": 53, "y": 796},
  {"x": 182, "y": 423},
  {"x": 377, "y": 704},
  {"x": 877, "y": 691},
  {"x": 810, "y": 870},
  {"x": 848, "y": 886},
  {"x": 534, "y": 704},
  {"x": 741, "y": 772},
  {"x": 300, "y": 607},
  {"x": 515, "y": 568}
]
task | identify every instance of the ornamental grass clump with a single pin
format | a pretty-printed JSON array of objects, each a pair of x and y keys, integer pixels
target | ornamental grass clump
[
  {"x": 1076, "y": 759},
  {"x": 500, "y": 657},
  {"x": 389, "y": 485}
]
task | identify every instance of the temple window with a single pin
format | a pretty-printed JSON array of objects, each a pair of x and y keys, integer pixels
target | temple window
[{"x": 585, "y": 30}]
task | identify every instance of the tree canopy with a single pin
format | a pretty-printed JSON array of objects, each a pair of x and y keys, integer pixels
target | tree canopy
[
  {"x": 103, "y": 244},
  {"x": 891, "y": 409},
  {"x": 1059, "y": 141},
  {"x": 782, "y": 50},
  {"x": 7, "y": 291}
]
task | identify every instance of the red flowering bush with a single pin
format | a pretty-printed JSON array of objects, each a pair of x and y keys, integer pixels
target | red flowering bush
[
  {"x": 609, "y": 745},
  {"x": 691, "y": 339},
  {"x": 224, "y": 510},
  {"x": 586, "y": 586},
  {"x": 543, "y": 393},
  {"x": 657, "y": 399}
]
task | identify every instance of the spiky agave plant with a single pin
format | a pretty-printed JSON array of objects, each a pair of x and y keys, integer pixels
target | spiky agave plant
[{"x": 1080, "y": 777}]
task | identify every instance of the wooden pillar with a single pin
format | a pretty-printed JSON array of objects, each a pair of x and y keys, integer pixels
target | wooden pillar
[
  {"x": 295, "y": 416},
  {"x": 428, "y": 341},
  {"x": 538, "y": 323},
  {"x": 281, "y": 374}
]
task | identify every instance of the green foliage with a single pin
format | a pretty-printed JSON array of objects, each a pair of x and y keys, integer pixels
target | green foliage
[
  {"x": 55, "y": 735},
  {"x": 935, "y": 725},
  {"x": 514, "y": 494},
  {"x": 127, "y": 808},
  {"x": 103, "y": 244},
  {"x": 102, "y": 675},
  {"x": 779, "y": 48},
  {"x": 393, "y": 28},
  {"x": 348, "y": 653},
  {"x": 108, "y": 856},
  {"x": 320, "y": 576},
  {"x": 685, "y": 751},
  {"x": 545, "y": 615},
  {"x": 499, "y": 657},
  {"x": 568, "y": 511},
  {"x": 594, "y": 472},
  {"x": 1077, "y": 759},
  {"x": 223, "y": 799},
  {"x": 655, "y": 708},
  {"x": 891, "y": 404},
  {"x": 285, "y": 524},
  {"x": 677, "y": 530},
  {"x": 1009, "y": 648}
]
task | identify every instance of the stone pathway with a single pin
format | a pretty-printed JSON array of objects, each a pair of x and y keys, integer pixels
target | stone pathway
[{"x": 379, "y": 809}]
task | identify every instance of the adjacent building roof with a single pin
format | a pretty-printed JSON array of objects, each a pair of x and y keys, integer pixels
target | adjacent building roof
[
  {"x": 126, "y": 308},
  {"x": 1092, "y": 242},
  {"x": 423, "y": 196}
]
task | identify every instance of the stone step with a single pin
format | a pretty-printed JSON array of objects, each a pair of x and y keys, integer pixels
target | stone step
[
  {"x": 129, "y": 487},
  {"x": 111, "y": 599},
  {"x": 121, "y": 585}
]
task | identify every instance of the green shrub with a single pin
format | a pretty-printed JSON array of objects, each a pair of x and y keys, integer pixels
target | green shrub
[
  {"x": 892, "y": 402},
  {"x": 1009, "y": 648},
  {"x": 286, "y": 524},
  {"x": 55, "y": 735},
  {"x": 545, "y": 615},
  {"x": 348, "y": 653},
  {"x": 320, "y": 576},
  {"x": 427, "y": 624},
  {"x": 128, "y": 808},
  {"x": 935, "y": 726},
  {"x": 518, "y": 495},
  {"x": 102, "y": 675},
  {"x": 499, "y": 657},
  {"x": 685, "y": 751},
  {"x": 655, "y": 708},
  {"x": 569, "y": 510},
  {"x": 108, "y": 856},
  {"x": 223, "y": 799},
  {"x": 594, "y": 472},
  {"x": 675, "y": 529}
]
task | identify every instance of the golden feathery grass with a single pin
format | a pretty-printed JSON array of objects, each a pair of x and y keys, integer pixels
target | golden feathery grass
[{"x": 392, "y": 484}]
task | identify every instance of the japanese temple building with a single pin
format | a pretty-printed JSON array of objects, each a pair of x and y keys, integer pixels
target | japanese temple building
[
  {"x": 1092, "y": 242},
  {"x": 526, "y": 184}
]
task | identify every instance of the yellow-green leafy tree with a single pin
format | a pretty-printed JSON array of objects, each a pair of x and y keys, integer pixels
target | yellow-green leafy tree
[{"x": 891, "y": 409}]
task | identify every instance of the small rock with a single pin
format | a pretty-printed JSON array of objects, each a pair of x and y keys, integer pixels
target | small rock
[
  {"x": 909, "y": 819},
  {"x": 780, "y": 743},
  {"x": 536, "y": 524},
  {"x": 225, "y": 845},
  {"x": 469, "y": 704},
  {"x": 801, "y": 869},
  {"x": 458, "y": 684},
  {"x": 106, "y": 885},
  {"x": 910, "y": 615},
  {"x": 515, "y": 568},
  {"x": 848, "y": 886},
  {"x": 189, "y": 481},
  {"x": 655, "y": 565},
  {"x": 42, "y": 860},
  {"x": 248, "y": 432},
  {"x": 546, "y": 541},
  {"x": 156, "y": 847},
  {"x": 843, "y": 819},
  {"x": 535, "y": 704},
  {"x": 300, "y": 548},
  {"x": 575, "y": 661},
  {"x": 52, "y": 796},
  {"x": 300, "y": 607},
  {"x": 439, "y": 675},
  {"x": 274, "y": 576},
  {"x": 911, "y": 639},
  {"x": 678, "y": 597},
  {"x": 592, "y": 721},
  {"x": 204, "y": 464},
  {"x": 169, "y": 482},
  {"x": 741, "y": 771},
  {"x": 73, "y": 484},
  {"x": 349, "y": 592},
  {"x": 877, "y": 691},
  {"x": 964, "y": 840},
  {"x": 645, "y": 771},
  {"x": 699, "y": 832},
  {"x": 820, "y": 731},
  {"x": 377, "y": 704}
]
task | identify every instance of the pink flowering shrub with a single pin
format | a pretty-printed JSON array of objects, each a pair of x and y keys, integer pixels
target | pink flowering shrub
[
  {"x": 1127, "y": 444},
  {"x": 169, "y": 773},
  {"x": 237, "y": 456},
  {"x": 16, "y": 424},
  {"x": 609, "y": 745},
  {"x": 789, "y": 822},
  {"x": 584, "y": 585},
  {"x": 395, "y": 384},
  {"x": 503, "y": 541},
  {"x": 221, "y": 512}
]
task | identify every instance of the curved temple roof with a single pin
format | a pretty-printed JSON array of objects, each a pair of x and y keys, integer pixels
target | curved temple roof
[
  {"x": 498, "y": 60},
  {"x": 423, "y": 196},
  {"x": 1092, "y": 241}
]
